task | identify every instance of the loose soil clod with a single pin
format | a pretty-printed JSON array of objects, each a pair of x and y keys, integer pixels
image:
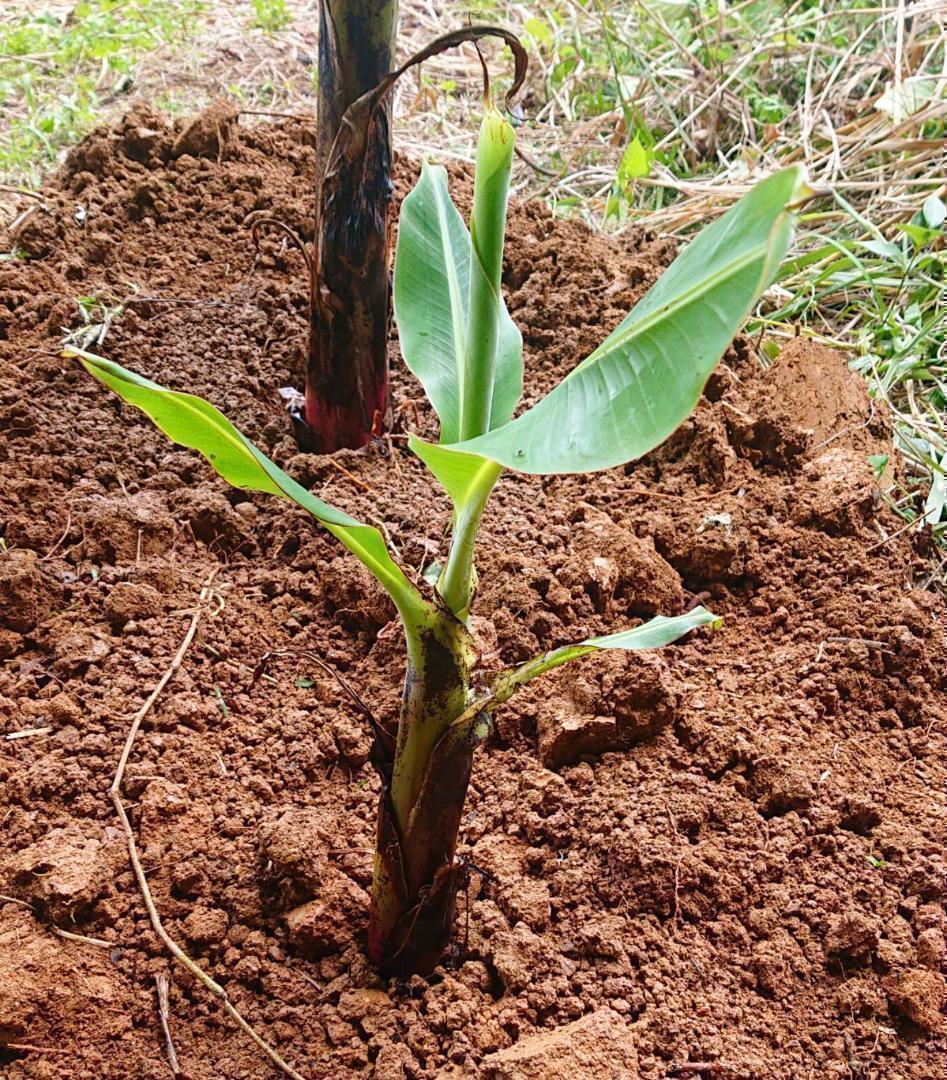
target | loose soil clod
[{"x": 758, "y": 881}]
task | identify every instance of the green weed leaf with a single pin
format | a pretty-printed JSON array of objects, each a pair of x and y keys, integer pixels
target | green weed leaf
[{"x": 635, "y": 163}]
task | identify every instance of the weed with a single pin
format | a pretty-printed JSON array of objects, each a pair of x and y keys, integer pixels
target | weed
[
  {"x": 58, "y": 70},
  {"x": 271, "y": 15}
]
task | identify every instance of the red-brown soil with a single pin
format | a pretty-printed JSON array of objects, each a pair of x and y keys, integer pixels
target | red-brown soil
[{"x": 737, "y": 857}]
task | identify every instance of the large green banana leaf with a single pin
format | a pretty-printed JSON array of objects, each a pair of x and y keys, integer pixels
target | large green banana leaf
[
  {"x": 192, "y": 422},
  {"x": 645, "y": 379},
  {"x": 431, "y": 295}
]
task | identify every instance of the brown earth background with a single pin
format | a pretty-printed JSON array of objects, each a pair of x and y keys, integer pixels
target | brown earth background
[{"x": 726, "y": 859}]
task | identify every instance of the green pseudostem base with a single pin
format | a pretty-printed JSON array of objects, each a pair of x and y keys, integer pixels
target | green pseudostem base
[{"x": 424, "y": 785}]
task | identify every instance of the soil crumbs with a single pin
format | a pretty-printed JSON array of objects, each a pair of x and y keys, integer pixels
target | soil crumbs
[{"x": 726, "y": 859}]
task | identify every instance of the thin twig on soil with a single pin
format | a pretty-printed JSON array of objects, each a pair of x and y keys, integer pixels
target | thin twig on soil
[
  {"x": 269, "y": 112},
  {"x": 345, "y": 684},
  {"x": 52, "y": 551},
  {"x": 534, "y": 164},
  {"x": 14, "y": 900},
  {"x": 351, "y": 476},
  {"x": 67, "y": 934},
  {"x": 27, "y": 733},
  {"x": 291, "y": 233},
  {"x": 841, "y": 640},
  {"x": 99, "y": 943},
  {"x": 376, "y": 726},
  {"x": 715, "y": 1068},
  {"x": 115, "y": 793},
  {"x": 30, "y": 1048},
  {"x": 176, "y": 300},
  {"x": 916, "y": 523},
  {"x": 12, "y": 189},
  {"x": 162, "y": 982}
]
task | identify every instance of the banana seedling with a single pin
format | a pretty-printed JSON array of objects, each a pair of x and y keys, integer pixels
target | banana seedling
[{"x": 458, "y": 338}]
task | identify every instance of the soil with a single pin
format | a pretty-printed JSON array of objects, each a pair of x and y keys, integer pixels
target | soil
[{"x": 723, "y": 860}]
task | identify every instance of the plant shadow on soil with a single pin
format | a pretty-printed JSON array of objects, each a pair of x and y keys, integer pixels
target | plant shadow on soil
[{"x": 731, "y": 851}]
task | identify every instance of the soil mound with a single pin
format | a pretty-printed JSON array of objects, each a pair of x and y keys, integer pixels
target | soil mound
[{"x": 731, "y": 853}]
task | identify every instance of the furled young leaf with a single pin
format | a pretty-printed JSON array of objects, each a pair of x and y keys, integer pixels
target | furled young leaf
[
  {"x": 646, "y": 378},
  {"x": 194, "y": 423},
  {"x": 653, "y": 634},
  {"x": 431, "y": 297},
  {"x": 936, "y": 501}
]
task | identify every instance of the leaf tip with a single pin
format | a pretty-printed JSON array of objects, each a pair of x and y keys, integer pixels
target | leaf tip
[
  {"x": 708, "y": 618},
  {"x": 804, "y": 191}
]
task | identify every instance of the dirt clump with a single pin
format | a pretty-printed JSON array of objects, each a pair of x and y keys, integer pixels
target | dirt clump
[
  {"x": 726, "y": 853},
  {"x": 64, "y": 874},
  {"x": 624, "y": 700},
  {"x": 27, "y": 594},
  {"x": 121, "y": 529},
  {"x": 599, "y": 1045},
  {"x": 207, "y": 134},
  {"x": 920, "y": 996},
  {"x": 791, "y": 417},
  {"x": 621, "y": 573},
  {"x": 328, "y": 924},
  {"x": 128, "y": 600}
]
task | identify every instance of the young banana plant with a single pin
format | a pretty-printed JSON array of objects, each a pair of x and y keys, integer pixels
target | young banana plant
[{"x": 619, "y": 403}]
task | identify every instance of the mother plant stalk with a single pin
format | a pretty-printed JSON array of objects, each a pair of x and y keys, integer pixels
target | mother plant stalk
[{"x": 619, "y": 403}]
